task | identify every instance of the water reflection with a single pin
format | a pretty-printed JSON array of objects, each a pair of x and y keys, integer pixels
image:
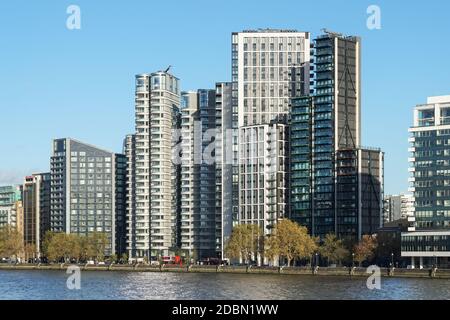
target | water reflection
[{"x": 38, "y": 285}]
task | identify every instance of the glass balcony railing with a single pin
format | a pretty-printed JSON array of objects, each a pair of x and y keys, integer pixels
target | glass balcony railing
[{"x": 426, "y": 122}]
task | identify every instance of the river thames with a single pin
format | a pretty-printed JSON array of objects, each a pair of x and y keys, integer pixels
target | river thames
[{"x": 51, "y": 285}]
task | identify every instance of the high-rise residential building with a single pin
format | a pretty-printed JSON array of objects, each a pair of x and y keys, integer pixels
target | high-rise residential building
[
  {"x": 36, "y": 208},
  {"x": 430, "y": 163},
  {"x": 227, "y": 191},
  {"x": 359, "y": 192},
  {"x": 10, "y": 206},
  {"x": 335, "y": 118},
  {"x": 121, "y": 201},
  {"x": 269, "y": 67},
  {"x": 129, "y": 148},
  {"x": 398, "y": 207},
  {"x": 155, "y": 190},
  {"x": 262, "y": 63},
  {"x": 336, "y": 185},
  {"x": 198, "y": 174},
  {"x": 429, "y": 239},
  {"x": 263, "y": 174},
  {"x": 83, "y": 190}
]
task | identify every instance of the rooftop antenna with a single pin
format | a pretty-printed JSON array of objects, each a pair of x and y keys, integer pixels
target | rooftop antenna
[{"x": 168, "y": 68}]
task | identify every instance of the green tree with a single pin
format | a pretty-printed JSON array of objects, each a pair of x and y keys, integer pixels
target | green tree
[
  {"x": 365, "y": 249},
  {"x": 245, "y": 242},
  {"x": 333, "y": 249},
  {"x": 291, "y": 241}
]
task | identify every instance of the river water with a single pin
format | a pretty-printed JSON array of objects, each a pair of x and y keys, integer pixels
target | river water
[{"x": 45, "y": 285}]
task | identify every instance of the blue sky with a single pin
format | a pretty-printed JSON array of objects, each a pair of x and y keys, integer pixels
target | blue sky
[{"x": 55, "y": 82}]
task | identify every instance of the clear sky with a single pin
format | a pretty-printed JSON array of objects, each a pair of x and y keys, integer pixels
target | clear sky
[{"x": 56, "y": 82}]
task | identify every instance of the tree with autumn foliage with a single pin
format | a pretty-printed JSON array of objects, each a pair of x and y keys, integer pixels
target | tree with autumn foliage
[
  {"x": 245, "y": 242},
  {"x": 64, "y": 247},
  {"x": 365, "y": 249},
  {"x": 291, "y": 241}
]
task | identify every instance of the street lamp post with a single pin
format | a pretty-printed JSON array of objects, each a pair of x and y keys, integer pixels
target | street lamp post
[
  {"x": 353, "y": 260},
  {"x": 392, "y": 259}
]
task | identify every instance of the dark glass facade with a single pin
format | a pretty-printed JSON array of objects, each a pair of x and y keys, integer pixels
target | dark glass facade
[
  {"x": 301, "y": 166},
  {"x": 336, "y": 186}
]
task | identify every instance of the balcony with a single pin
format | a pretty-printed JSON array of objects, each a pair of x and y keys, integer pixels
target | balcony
[
  {"x": 428, "y": 122},
  {"x": 445, "y": 120}
]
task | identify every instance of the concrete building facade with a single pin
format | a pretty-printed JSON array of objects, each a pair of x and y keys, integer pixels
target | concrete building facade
[
  {"x": 227, "y": 191},
  {"x": 152, "y": 217},
  {"x": 198, "y": 174},
  {"x": 269, "y": 67}
]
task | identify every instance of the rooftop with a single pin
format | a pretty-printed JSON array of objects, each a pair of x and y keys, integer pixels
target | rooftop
[
  {"x": 269, "y": 30},
  {"x": 438, "y": 99}
]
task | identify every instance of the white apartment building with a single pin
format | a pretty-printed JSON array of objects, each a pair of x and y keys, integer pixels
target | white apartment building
[
  {"x": 152, "y": 215},
  {"x": 264, "y": 63},
  {"x": 269, "y": 67},
  {"x": 263, "y": 183}
]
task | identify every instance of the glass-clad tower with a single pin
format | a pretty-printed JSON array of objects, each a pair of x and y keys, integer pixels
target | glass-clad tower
[
  {"x": 301, "y": 162},
  {"x": 336, "y": 185}
]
